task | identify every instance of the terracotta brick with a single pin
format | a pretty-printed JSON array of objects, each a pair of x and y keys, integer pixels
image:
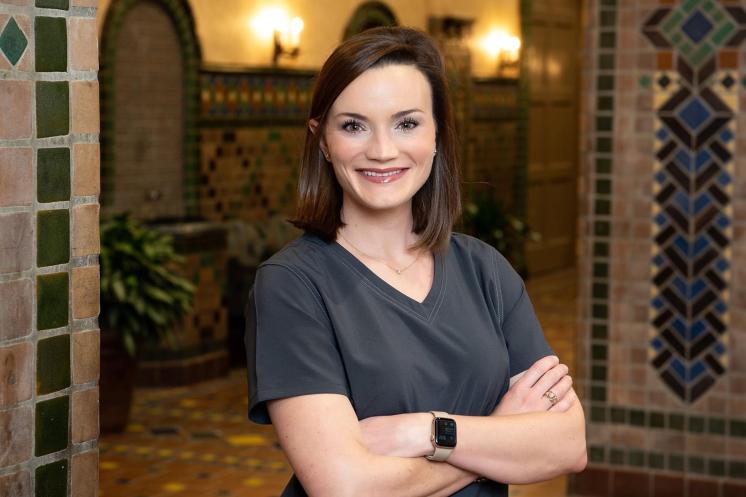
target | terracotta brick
[
  {"x": 84, "y": 106},
  {"x": 86, "y": 356},
  {"x": 15, "y": 435},
  {"x": 84, "y": 3},
  {"x": 15, "y": 308},
  {"x": 85, "y": 415},
  {"x": 86, "y": 240},
  {"x": 16, "y": 240},
  {"x": 82, "y": 43},
  {"x": 16, "y": 373},
  {"x": 86, "y": 169},
  {"x": 16, "y": 484},
  {"x": 26, "y": 61},
  {"x": 15, "y": 100},
  {"x": 84, "y": 475},
  {"x": 85, "y": 289},
  {"x": 16, "y": 177}
]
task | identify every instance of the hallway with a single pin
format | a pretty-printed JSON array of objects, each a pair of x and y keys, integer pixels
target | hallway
[{"x": 197, "y": 442}]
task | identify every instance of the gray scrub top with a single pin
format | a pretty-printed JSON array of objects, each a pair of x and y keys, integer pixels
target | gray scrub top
[{"x": 319, "y": 321}]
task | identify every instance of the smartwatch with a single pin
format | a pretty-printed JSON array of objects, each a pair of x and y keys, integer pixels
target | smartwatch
[{"x": 443, "y": 436}]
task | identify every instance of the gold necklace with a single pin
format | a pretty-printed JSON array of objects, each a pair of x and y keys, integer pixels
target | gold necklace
[{"x": 397, "y": 271}]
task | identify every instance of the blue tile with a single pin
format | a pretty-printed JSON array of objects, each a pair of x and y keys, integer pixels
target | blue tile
[
  {"x": 661, "y": 134},
  {"x": 694, "y": 114},
  {"x": 697, "y": 26},
  {"x": 726, "y": 136},
  {"x": 703, "y": 157},
  {"x": 657, "y": 344},
  {"x": 700, "y": 244},
  {"x": 13, "y": 42}
]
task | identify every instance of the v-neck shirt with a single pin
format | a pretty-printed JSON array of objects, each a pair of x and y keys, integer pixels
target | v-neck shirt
[{"x": 320, "y": 321}]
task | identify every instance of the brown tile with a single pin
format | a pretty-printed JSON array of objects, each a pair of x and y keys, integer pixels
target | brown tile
[
  {"x": 86, "y": 169},
  {"x": 16, "y": 240},
  {"x": 16, "y": 484},
  {"x": 728, "y": 59},
  {"x": 85, "y": 290},
  {"x": 15, "y": 308},
  {"x": 84, "y": 475},
  {"x": 15, "y": 435},
  {"x": 86, "y": 356},
  {"x": 86, "y": 230},
  {"x": 85, "y": 415},
  {"x": 667, "y": 486},
  {"x": 593, "y": 482},
  {"x": 16, "y": 177},
  {"x": 665, "y": 61},
  {"x": 16, "y": 373},
  {"x": 82, "y": 43},
  {"x": 15, "y": 100},
  {"x": 84, "y": 106},
  {"x": 630, "y": 484},
  {"x": 84, "y": 3},
  {"x": 704, "y": 488}
]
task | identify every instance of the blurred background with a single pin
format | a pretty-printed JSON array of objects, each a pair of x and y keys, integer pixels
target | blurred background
[{"x": 149, "y": 154}]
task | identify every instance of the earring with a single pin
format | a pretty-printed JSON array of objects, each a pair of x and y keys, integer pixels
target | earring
[{"x": 435, "y": 151}]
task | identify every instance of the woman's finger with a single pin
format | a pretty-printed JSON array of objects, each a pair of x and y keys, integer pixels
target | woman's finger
[
  {"x": 550, "y": 378},
  {"x": 536, "y": 371},
  {"x": 566, "y": 402}
]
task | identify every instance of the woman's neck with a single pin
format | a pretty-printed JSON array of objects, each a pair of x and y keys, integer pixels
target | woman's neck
[{"x": 384, "y": 234}]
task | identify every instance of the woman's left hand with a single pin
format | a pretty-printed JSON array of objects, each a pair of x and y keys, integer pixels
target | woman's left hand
[{"x": 402, "y": 435}]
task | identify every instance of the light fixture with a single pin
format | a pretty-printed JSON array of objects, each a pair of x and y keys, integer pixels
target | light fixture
[
  {"x": 274, "y": 23},
  {"x": 505, "y": 49}
]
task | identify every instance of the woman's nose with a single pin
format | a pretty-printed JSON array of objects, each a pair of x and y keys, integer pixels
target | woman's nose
[{"x": 382, "y": 148}]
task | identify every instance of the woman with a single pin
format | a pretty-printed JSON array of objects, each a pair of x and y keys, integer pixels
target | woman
[{"x": 394, "y": 357}]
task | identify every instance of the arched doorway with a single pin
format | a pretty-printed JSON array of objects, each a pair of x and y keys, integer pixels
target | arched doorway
[{"x": 370, "y": 15}]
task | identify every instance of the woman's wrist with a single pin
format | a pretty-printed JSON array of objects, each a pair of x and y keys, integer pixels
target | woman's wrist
[{"x": 420, "y": 432}]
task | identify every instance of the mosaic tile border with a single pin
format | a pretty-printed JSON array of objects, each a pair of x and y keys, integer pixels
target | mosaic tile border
[{"x": 181, "y": 14}]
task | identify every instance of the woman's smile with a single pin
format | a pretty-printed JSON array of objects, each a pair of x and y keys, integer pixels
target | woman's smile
[{"x": 385, "y": 176}]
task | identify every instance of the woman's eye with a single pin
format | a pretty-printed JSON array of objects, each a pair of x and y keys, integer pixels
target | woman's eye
[
  {"x": 408, "y": 124},
  {"x": 352, "y": 127}
]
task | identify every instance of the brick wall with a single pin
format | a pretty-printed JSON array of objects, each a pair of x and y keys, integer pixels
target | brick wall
[{"x": 49, "y": 244}]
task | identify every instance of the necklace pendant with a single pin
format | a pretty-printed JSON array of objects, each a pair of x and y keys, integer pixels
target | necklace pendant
[{"x": 398, "y": 271}]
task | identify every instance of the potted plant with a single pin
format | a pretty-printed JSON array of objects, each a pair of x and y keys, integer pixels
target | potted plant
[
  {"x": 486, "y": 218},
  {"x": 142, "y": 297}
]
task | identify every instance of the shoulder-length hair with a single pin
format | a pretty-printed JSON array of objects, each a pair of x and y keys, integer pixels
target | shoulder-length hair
[{"x": 437, "y": 204}]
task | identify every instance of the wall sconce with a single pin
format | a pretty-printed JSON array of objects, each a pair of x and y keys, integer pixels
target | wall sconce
[
  {"x": 274, "y": 23},
  {"x": 506, "y": 50}
]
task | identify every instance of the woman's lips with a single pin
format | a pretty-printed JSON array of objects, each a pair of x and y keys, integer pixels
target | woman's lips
[{"x": 382, "y": 175}]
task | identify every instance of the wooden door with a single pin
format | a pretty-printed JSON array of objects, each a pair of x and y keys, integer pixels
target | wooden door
[{"x": 553, "y": 62}]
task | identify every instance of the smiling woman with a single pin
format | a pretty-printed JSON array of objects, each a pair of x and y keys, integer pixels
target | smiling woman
[{"x": 394, "y": 357}]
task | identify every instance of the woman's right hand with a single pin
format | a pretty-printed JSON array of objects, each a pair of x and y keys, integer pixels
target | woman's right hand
[{"x": 527, "y": 393}]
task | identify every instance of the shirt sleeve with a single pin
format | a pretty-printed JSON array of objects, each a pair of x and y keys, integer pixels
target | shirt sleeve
[
  {"x": 290, "y": 344},
  {"x": 520, "y": 326}
]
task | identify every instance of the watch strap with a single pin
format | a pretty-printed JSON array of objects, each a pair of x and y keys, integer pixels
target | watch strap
[{"x": 439, "y": 454}]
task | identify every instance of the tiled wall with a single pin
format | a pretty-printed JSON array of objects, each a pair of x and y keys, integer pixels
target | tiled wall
[
  {"x": 662, "y": 353},
  {"x": 49, "y": 245}
]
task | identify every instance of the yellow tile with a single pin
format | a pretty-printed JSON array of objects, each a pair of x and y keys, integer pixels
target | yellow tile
[
  {"x": 173, "y": 487},
  {"x": 247, "y": 440},
  {"x": 253, "y": 482}
]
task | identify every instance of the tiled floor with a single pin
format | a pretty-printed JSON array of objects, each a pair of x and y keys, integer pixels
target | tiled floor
[{"x": 196, "y": 441}]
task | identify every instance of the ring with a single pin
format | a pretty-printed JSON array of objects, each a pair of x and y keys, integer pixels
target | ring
[{"x": 551, "y": 396}]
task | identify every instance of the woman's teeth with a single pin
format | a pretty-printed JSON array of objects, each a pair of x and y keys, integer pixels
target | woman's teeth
[{"x": 390, "y": 173}]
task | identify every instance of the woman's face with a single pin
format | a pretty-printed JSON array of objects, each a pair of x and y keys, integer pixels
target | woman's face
[{"x": 380, "y": 137}]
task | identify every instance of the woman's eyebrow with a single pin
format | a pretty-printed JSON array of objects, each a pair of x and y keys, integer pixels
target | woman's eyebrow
[{"x": 399, "y": 114}]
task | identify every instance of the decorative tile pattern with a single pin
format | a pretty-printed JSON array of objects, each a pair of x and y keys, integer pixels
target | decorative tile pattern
[
  {"x": 52, "y": 364},
  {"x": 51, "y": 480},
  {"x": 52, "y": 300},
  {"x": 51, "y": 425},
  {"x": 51, "y": 44},
  {"x": 52, "y": 108},
  {"x": 12, "y": 41},
  {"x": 54, "y": 4},
  {"x": 694, "y": 132},
  {"x": 53, "y": 237},
  {"x": 53, "y": 174}
]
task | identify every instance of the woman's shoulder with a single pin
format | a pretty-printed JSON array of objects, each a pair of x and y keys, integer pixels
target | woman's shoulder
[
  {"x": 304, "y": 255},
  {"x": 473, "y": 247}
]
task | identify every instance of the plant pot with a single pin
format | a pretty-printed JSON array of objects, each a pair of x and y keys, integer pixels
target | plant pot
[{"x": 116, "y": 384}]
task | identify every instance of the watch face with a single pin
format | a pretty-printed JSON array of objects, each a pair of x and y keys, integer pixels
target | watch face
[{"x": 445, "y": 432}]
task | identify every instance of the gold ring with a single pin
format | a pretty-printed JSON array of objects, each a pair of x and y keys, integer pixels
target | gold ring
[{"x": 551, "y": 396}]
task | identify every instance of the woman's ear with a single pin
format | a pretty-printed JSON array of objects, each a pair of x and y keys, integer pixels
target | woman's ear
[{"x": 313, "y": 126}]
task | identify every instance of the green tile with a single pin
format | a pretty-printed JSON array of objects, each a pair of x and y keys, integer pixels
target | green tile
[
  {"x": 605, "y": 82},
  {"x": 603, "y": 144},
  {"x": 601, "y": 228},
  {"x": 600, "y": 311},
  {"x": 603, "y": 186},
  {"x": 598, "y": 414},
  {"x": 676, "y": 422},
  {"x": 645, "y": 81},
  {"x": 716, "y": 426},
  {"x": 607, "y": 39},
  {"x": 12, "y": 41},
  {"x": 52, "y": 108},
  {"x": 51, "y": 44},
  {"x": 606, "y": 61},
  {"x": 616, "y": 456},
  {"x": 657, "y": 420},
  {"x": 54, "y": 4},
  {"x": 52, "y": 300},
  {"x": 608, "y": 18},
  {"x": 738, "y": 428},
  {"x": 656, "y": 460},
  {"x": 51, "y": 479},
  {"x": 598, "y": 352},
  {"x": 605, "y": 102},
  {"x": 53, "y": 237},
  {"x": 676, "y": 462},
  {"x": 596, "y": 454},
  {"x": 696, "y": 464},
  {"x": 600, "y": 291},
  {"x": 716, "y": 467},
  {"x": 636, "y": 458},
  {"x": 601, "y": 249},
  {"x": 603, "y": 207},
  {"x": 599, "y": 332},
  {"x": 604, "y": 123},
  {"x": 51, "y": 421},
  {"x": 696, "y": 424},
  {"x": 598, "y": 394},
  {"x": 598, "y": 373},
  {"x": 618, "y": 415},
  {"x": 636, "y": 417},
  {"x": 603, "y": 166},
  {"x": 53, "y": 175},
  {"x": 52, "y": 364},
  {"x": 737, "y": 469}
]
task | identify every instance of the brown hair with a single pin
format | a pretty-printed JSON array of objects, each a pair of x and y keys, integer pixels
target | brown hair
[{"x": 437, "y": 204}]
